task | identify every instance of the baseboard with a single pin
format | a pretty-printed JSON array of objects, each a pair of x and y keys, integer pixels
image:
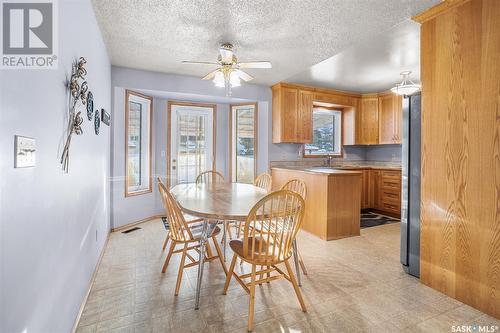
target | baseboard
[
  {"x": 130, "y": 225},
  {"x": 82, "y": 306}
]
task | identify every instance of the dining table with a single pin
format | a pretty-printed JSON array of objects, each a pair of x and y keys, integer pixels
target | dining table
[{"x": 215, "y": 202}]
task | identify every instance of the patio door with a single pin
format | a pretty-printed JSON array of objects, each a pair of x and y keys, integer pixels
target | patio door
[{"x": 192, "y": 141}]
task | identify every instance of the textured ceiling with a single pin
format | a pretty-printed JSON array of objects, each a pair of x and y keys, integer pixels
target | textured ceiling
[
  {"x": 294, "y": 35},
  {"x": 372, "y": 65}
]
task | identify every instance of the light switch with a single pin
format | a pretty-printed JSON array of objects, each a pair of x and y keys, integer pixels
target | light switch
[{"x": 25, "y": 151}]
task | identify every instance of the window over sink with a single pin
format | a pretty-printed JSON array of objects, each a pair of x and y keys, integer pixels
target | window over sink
[{"x": 327, "y": 133}]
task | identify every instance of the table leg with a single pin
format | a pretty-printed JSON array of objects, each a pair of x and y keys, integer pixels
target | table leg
[
  {"x": 296, "y": 260},
  {"x": 208, "y": 228}
]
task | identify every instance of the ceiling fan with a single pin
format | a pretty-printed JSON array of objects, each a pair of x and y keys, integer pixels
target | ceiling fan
[{"x": 229, "y": 73}]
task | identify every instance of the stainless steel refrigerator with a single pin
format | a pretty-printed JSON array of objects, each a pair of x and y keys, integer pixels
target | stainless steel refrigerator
[{"x": 410, "y": 196}]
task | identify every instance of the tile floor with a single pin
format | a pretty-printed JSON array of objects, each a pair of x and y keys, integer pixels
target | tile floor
[{"x": 354, "y": 285}]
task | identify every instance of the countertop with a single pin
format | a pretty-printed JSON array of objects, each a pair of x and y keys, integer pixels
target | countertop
[
  {"x": 346, "y": 169},
  {"x": 320, "y": 170}
]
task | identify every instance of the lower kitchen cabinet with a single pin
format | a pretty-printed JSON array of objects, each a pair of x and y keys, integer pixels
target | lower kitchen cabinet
[{"x": 384, "y": 191}]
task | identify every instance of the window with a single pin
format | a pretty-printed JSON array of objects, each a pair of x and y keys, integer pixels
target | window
[
  {"x": 138, "y": 143},
  {"x": 327, "y": 135},
  {"x": 243, "y": 143}
]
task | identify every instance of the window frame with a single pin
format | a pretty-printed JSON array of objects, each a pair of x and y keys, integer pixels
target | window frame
[
  {"x": 149, "y": 189},
  {"x": 341, "y": 154},
  {"x": 255, "y": 132}
]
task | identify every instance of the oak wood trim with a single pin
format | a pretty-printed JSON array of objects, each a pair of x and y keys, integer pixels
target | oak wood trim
[
  {"x": 128, "y": 93},
  {"x": 437, "y": 10},
  {"x": 255, "y": 134},
  {"x": 170, "y": 103},
  {"x": 317, "y": 89},
  {"x": 91, "y": 284}
]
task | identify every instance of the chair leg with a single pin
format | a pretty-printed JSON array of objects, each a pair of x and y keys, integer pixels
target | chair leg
[
  {"x": 165, "y": 242},
  {"x": 229, "y": 274},
  {"x": 219, "y": 254},
  {"x": 224, "y": 238},
  {"x": 238, "y": 230},
  {"x": 209, "y": 250},
  {"x": 169, "y": 255},
  {"x": 181, "y": 270},
  {"x": 268, "y": 273},
  {"x": 252, "y": 299},
  {"x": 295, "y": 286}
]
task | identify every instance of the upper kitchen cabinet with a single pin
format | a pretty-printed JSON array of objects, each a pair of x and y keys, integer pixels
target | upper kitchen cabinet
[
  {"x": 292, "y": 114},
  {"x": 369, "y": 120},
  {"x": 293, "y": 107},
  {"x": 390, "y": 114}
]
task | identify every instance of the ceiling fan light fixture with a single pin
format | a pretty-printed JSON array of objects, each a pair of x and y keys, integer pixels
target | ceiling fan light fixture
[
  {"x": 234, "y": 80},
  {"x": 407, "y": 86},
  {"x": 219, "y": 80}
]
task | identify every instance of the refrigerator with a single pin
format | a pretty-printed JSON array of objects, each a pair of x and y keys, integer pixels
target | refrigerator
[{"x": 410, "y": 185}]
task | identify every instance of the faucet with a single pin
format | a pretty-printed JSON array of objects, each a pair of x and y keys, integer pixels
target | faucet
[{"x": 328, "y": 161}]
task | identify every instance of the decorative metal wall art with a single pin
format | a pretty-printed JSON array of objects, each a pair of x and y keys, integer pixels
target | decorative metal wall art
[
  {"x": 97, "y": 122},
  {"x": 90, "y": 105},
  {"x": 105, "y": 117}
]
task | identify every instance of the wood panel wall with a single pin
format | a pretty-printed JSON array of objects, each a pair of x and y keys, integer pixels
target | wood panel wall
[{"x": 460, "y": 207}]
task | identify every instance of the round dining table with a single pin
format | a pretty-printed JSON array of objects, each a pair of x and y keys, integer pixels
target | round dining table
[{"x": 215, "y": 202}]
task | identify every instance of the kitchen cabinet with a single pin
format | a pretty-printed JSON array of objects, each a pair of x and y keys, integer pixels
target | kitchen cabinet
[
  {"x": 365, "y": 189},
  {"x": 369, "y": 120},
  {"x": 390, "y": 114},
  {"x": 332, "y": 203},
  {"x": 292, "y": 114},
  {"x": 385, "y": 191}
]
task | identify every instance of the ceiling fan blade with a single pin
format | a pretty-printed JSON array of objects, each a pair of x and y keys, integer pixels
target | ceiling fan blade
[
  {"x": 244, "y": 76},
  {"x": 226, "y": 55},
  {"x": 210, "y": 75},
  {"x": 255, "y": 64},
  {"x": 199, "y": 63}
]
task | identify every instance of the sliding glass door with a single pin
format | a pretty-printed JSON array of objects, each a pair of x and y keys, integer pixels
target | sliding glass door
[{"x": 243, "y": 143}]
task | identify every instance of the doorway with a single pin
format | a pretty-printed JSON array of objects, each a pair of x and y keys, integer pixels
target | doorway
[{"x": 191, "y": 141}]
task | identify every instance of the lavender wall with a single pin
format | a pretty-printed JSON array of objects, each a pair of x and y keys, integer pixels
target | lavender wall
[
  {"x": 174, "y": 87},
  {"x": 53, "y": 225}
]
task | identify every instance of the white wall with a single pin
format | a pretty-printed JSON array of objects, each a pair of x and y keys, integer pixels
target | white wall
[
  {"x": 164, "y": 87},
  {"x": 48, "y": 219}
]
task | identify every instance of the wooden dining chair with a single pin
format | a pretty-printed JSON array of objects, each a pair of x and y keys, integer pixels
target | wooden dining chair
[
  {"x": 268, "y": 235},
  {"x": 189, "y": 218},
  {"x": 263, "y": 181},
  {"x": 209, "y": 177},
  {"x": 298, "y": 186},
  {"x": 182, "y": 233}
]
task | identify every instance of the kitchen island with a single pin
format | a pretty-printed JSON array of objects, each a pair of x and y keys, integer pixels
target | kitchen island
[{"x": 333, "y": 200}]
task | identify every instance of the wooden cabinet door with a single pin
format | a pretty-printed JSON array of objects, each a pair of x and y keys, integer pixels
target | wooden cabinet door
[
  {"x": 365, "y": 189},
  {"x": 390, "y": 113},
  {"x": 304, "y": 117},
  {"x": 288, "y": 114},
  {"x": 369, "y": 120},
  {"x": 387, "y": 119},
  {"x": 375, "y": 186},
  {"x": 398, "y": 115}
]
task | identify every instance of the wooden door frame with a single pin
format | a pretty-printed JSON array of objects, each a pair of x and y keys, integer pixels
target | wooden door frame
[
  {"x": 129, "y": 93},
  {"x": 171, "y": 103},
  {"x": 255, "y": 134}
]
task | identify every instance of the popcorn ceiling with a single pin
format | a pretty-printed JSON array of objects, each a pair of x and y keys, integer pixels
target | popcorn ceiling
[{"x": 294, "y": 35}]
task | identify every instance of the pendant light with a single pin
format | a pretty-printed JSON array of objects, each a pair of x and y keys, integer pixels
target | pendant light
[{"x": 407, "y": 86}]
